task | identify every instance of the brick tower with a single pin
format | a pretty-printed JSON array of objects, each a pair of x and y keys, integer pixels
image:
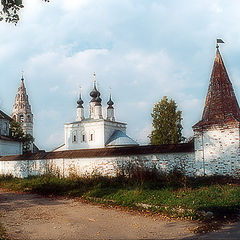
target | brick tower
[
  {"x": 216, "y": 135},
  {"x": 22, "y": 109}
]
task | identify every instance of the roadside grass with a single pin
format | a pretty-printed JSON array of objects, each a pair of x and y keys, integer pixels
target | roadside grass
[
  {"x": 2, "y": 233},
  {"x": 202, "y": 198}
]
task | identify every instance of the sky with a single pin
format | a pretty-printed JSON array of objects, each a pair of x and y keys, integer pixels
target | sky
[{"x": 141, "y": 49}]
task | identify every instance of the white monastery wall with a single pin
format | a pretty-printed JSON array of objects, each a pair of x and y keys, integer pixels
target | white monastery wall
[
  {"x": 107, "y": 166},
  {"x": 217, "y": 151}
]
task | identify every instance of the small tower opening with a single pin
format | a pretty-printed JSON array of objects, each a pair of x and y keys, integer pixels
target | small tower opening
[{"x": 21, "y": 118}]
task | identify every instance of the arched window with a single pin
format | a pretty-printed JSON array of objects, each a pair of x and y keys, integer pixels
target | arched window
[
  {"x": 74, "y": 136},
  {"x": 83, "y": 138},
  {"x": 21, "y": 117},
  {"x": 91, "y": 136},
  {"x": 29, "y": 118}
]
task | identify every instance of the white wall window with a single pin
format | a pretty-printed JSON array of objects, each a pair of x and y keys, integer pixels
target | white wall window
[
  {"x": 91, "y": 136},
  {"x": 74, "y": 136},
  {"x": 83, "y": 136}
]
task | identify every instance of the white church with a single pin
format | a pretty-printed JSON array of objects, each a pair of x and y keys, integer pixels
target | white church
[{"x": 95, "y": 131}]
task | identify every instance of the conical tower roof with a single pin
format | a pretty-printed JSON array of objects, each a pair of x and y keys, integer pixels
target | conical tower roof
[
  {"x": 221, "y": 105},
  {"x": 21, "y": 100}
]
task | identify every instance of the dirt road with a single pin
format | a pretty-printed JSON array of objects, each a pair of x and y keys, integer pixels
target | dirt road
[{"x": 30, "y": 216}]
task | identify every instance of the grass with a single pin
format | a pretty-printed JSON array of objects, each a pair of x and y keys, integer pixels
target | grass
[
  {"x": 183, "y": 197},
  {"x": 2, "y": 233}
]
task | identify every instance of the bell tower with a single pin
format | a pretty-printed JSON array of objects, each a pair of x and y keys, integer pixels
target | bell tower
[{"x": 22, "y": 109}]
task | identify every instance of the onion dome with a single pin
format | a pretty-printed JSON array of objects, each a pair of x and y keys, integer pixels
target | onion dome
[
  {"x": 110, "y": 103},
  {"x": 80, "y": 102},
  {"x": 94, "y": 93}
]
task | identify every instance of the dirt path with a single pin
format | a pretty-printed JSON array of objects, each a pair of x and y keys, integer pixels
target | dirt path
[{"x": 30, "y": 216}]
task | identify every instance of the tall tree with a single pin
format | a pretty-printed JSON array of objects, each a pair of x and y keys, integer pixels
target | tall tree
[
  {"x": 16, "y": 132},
  {"x": 10, "y": 9},
  {"x": 167, "y": 127}
]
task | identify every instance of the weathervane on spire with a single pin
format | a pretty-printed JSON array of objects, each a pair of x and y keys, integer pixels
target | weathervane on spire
[
  {"x": 80, "y": 91},
  {"x": 219, "y": 40},
  {"x": 94, "y": 77},
  {"x": 22, "y": 75}
]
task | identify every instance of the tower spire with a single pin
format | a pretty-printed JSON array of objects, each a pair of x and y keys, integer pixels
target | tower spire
[{"x": 221, "y": 105}]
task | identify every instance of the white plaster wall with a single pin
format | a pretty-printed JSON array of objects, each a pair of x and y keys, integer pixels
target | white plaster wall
[
  {"x": 104, "y": 166},
  {"x": 96, "y": 128},
  {"x": 217, "y": 151},
  {"x": 10, "y": 148}
]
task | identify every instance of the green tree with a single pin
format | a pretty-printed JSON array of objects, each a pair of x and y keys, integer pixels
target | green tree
[
  {"x": 16, "y": 132},
  {"x": 167, "y": 127},
  {"x": 10, "y": 9}
]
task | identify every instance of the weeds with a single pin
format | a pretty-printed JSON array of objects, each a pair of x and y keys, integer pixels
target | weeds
[{"x": 173, "y": 194}]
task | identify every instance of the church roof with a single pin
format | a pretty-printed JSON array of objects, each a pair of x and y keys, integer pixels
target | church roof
[
  {"x": 119, "y": 138},
  {"x": 221, "y": 105},
  {"x": 4, "y": 116}
]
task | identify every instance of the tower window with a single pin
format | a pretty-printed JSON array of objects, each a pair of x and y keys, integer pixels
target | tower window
[
  {"x": 21, "y": 118},
  {"x": 83, "y": 138},
  {"x": 29, "y": 118},
  {"x": 74, "y": 138}
]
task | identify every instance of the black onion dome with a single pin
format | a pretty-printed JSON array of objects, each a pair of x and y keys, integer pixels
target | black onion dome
[
  {"x": 110, "y": 102},
  {"x": 94, "y": 93},
  {"x": 80, "y": 102}
]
